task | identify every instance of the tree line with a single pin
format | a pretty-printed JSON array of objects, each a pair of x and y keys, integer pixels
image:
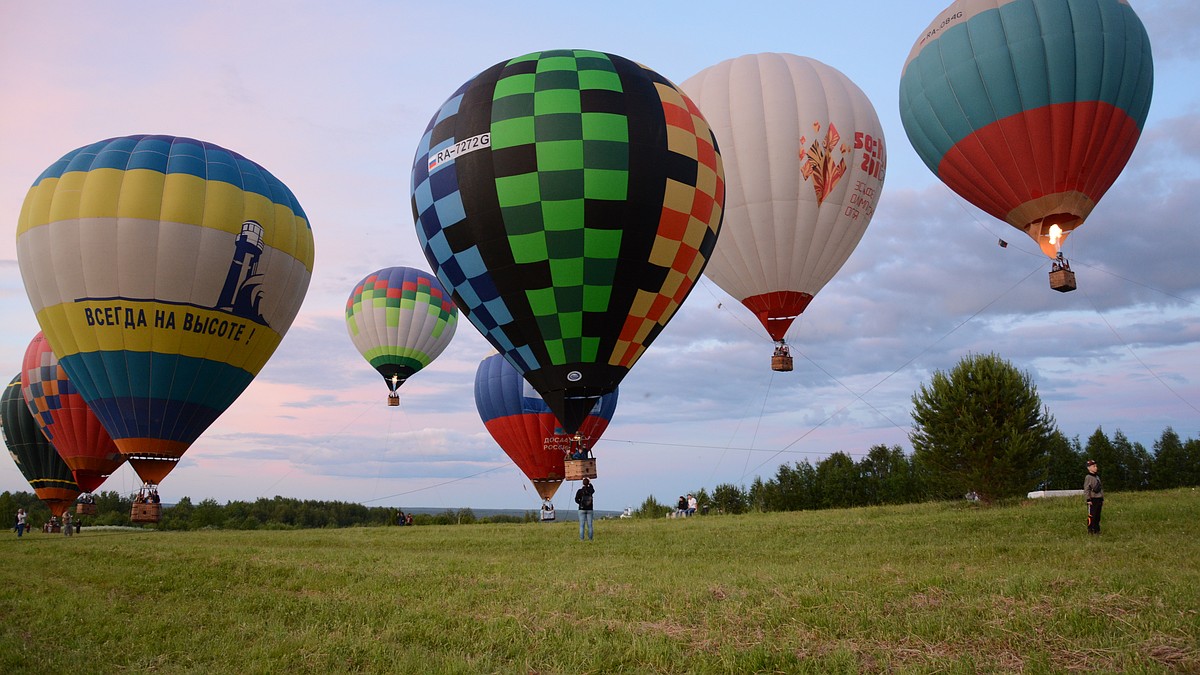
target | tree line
[
  {"x": 278, "y": 513},
  {"x": 979, "y": 429},
  {"x": 887, "y": 475}
]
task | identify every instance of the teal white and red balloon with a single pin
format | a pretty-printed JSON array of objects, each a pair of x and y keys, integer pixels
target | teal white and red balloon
[{"x": 1029, "y": 109}]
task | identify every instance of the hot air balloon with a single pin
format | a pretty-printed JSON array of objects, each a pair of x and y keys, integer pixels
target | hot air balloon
[
  {"x": 527, "y": 430},
  {"x": 1029, "y": 110},
  {"x": 569, "y": 199},
  {"x": 400, "y": 319},
  {"x": 47, "y": 473},
  {"x": 164, "y": 271},
  {"x": 64, "y": 418},
  {"x": 805, "y": 161}
]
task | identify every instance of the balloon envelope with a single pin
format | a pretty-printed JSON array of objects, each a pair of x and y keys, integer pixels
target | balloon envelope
[
  {"x": 804, "y": 163},
  {"x": 525, "y": 427},
  {"x": 165, "y": 271},
  {"x": 39, "y": 462},
  {"x": 400, "y": 319},
  {"x": 65, "y": 419},
  {"x": 569, "y": 199},
  {"x": 1029, "y": 110}
]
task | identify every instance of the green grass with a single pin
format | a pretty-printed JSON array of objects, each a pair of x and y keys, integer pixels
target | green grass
[{"x": 920, "y": 588}]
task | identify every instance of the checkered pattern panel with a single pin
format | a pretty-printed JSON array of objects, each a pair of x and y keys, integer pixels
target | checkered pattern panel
[
  {"x": 48, "y": 383},
  {"x": 562, "y": 147},
  {"x": 687, "y": 229},
  {"x": 599, "y": 188}
]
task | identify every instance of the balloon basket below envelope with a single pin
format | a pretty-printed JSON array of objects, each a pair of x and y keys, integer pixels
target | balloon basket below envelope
[
  {"x": 781, "y": 363},
  {"x": 146, "y": 513},
  {"x": 86, "y": 509},
  {"x": 1062, "y": 280},
  {"x": 578, "y": 469}
]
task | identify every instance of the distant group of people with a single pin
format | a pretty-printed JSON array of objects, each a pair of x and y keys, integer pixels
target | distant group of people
[
  {"x": 686, "y": 506},
  {"x": 148, "y": 494},
  {"x": 54, "y": 525},
  {"x": 403, "y": 518}
]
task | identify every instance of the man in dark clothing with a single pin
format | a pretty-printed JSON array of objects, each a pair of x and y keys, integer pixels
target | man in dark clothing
[
  {"x": 583, "y": 498},
  {"x": 1093, "y": 493}
]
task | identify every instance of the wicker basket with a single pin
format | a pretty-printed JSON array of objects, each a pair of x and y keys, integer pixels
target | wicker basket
[
  {"x": 578, "y": 469},
  {"x": 1062, "y": 280},
  {"x": 146, "y": 513}
]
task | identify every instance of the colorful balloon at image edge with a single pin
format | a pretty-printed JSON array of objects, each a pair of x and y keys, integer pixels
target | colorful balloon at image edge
[
  {"x": 569, "y": 199},
  {"x": 805, "y": 162},
  {"x": 524, "y": 426},
  {"x": 1029, "y": 110},
  {"x": 34, "y": 455},
  {"x": 400, "y": 319},
  {"x": 65, "y": 419},
  {"x": 165, "y": 271}
]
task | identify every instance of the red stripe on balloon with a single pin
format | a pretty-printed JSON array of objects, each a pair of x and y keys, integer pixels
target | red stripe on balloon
[
  {"x": 777, "y": 310},
  {"x": 1064, "y": 147}
]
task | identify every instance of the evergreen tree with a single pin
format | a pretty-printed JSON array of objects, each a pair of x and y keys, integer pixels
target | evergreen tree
[
  {"x": 1131, "y": 464},
  {"x": 981, "y": 428},
  {"x": 1171, "y": 466},
  {"x": 838, "y": 483},
  {"x": 1101, "y": 450},
  {"x": 1190, "y": 476},
  {"x": 651, "y": 509},
  {"x": 887, "y": 476},
  {"x": 1065, "y": 463},
  {"x": 728, "y": 498}
]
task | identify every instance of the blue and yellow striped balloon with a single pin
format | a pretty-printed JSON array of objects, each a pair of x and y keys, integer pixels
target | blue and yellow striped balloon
[{"x": 164, "y": 271}]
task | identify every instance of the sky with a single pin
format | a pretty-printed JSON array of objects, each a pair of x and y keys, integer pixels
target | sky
[{"x": 332, "y": 99}]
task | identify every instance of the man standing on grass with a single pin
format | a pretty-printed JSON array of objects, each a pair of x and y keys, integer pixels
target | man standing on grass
[
  {"x": 583, "y": 498},
  {"x": 1093, "y": 493}
]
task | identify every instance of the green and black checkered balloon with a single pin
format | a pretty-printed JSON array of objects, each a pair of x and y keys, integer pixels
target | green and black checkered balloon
[{"x": 569, "y": 199}]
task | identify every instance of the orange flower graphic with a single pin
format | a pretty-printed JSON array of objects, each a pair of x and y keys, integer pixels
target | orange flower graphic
[{"x": 817, "y": 161}]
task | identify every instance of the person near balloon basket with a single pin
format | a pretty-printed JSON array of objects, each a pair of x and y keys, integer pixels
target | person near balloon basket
[{"x": 584, "y": 499}]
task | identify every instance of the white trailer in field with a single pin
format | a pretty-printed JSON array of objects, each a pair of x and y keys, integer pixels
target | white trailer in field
[{"x": 1038, "y": 494}]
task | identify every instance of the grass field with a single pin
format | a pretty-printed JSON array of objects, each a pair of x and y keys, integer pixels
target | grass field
[{"x": 921, "y": 588}]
